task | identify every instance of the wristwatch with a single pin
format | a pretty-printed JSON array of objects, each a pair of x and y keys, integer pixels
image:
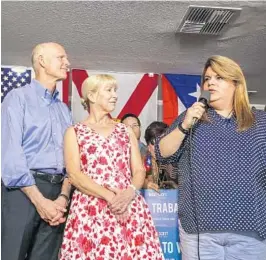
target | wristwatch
[
  {"x": 183, "y": 130},
  {"x": 64, "y": 196}
]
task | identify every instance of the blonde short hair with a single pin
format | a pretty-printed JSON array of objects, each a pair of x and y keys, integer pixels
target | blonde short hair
[{"x": 92, "y": 83}]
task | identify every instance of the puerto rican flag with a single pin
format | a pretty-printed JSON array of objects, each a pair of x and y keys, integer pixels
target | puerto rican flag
[
  {"x": 179, "y": 92},
  {"x": 137, "y": 94}
]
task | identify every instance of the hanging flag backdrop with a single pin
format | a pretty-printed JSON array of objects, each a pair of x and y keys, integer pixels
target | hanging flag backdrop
[
  {"x": 178, "y": 92},
  {"x": 15, "y": 77},
  {"x": 137, "y": 94}
]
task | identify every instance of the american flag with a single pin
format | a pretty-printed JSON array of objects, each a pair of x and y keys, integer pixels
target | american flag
[{"x": 12, "y": 78}]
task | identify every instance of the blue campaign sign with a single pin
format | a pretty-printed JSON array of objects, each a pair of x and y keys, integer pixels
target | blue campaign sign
[
  {"x": 169, "y": 239},
  {"x": 164, "y": 207}
]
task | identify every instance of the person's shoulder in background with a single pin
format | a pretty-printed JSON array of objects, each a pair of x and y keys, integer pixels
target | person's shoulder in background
[{"x": 143, "y": 149}]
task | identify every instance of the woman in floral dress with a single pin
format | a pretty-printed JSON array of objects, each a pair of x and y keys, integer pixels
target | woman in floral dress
[{"x": 108, "y": 219}]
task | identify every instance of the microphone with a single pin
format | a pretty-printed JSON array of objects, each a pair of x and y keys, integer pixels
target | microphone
[{"x": 204, "y": 99}]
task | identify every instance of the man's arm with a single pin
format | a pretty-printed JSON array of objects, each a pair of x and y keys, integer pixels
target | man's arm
[
  {"x": 66, "y": 187},
  {"x": 14, "y": 167}
]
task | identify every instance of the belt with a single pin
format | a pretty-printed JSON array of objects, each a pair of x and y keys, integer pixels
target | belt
[{"x": 52, "y": 178}]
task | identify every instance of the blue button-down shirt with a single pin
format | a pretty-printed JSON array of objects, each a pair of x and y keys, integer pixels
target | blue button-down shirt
[{"x": 33, "y": 125}]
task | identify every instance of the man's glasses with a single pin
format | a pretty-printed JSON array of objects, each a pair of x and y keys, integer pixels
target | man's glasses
[{"x": 134, "y": 126}]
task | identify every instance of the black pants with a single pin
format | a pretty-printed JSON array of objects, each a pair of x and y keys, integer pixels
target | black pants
[{"x": 24, "y": 234}]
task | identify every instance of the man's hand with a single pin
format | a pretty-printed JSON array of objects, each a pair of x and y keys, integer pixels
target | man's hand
[
  {"x": 48, "y": 209},
  {"x": 59, "y": 218},
  {"x": 61, "y": 201}
]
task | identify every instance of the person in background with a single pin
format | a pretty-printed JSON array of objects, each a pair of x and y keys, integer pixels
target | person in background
[
  {"x": 35, "y": 190},
  {"x": 134, "y": 122},
  {"x": 222, "y": 169},
  {"x": 108, "y": 218},
  {"x": 158, "y": 176}
]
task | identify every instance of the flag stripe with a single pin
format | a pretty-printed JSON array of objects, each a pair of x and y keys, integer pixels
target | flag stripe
[
  {"x": 78, "y": 76},
  {"x": 170, "y": 104},
  {"x": 65, "y": 89},
  {"x": 140, "y": 96}
]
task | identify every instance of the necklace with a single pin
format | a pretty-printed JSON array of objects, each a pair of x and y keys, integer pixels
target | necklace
[
  {"x": 228, "y": 116},
  {"x": 230, "y": 113}
]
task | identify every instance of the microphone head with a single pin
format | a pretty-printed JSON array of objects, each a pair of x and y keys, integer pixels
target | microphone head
[{"x": 204, "y": 97}]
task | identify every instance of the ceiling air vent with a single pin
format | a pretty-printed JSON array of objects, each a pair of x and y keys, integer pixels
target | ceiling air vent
[{"x": 207, "y": 20}]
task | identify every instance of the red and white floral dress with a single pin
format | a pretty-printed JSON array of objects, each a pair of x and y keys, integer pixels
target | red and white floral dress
[{"x": 92, "y": 231}]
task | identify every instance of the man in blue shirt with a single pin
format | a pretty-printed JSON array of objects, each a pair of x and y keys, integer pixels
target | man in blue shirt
[{"x": 35, "y": 191}]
